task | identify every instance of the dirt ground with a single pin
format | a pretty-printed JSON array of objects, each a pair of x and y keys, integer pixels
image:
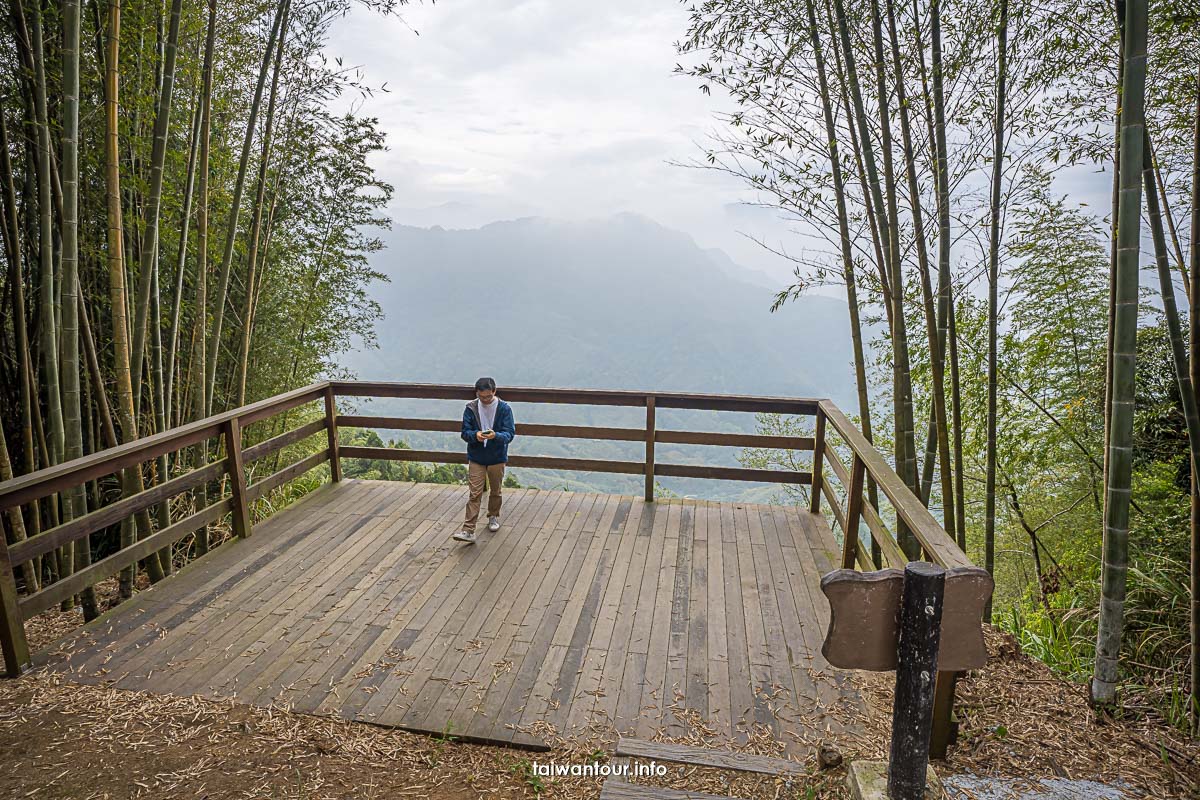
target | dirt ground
[{"x": 62, "y": 740}]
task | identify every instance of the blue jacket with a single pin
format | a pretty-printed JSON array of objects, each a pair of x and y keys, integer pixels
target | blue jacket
[{"x": 496, "y": 451}]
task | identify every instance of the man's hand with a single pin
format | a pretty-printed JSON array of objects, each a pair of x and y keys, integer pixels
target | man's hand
[
  {"x": 491, "y": 435},
  {"x": 479, "y": 437}
]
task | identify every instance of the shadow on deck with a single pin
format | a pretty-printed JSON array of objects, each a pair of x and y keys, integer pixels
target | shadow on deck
[{"x": 584, "y": 616}]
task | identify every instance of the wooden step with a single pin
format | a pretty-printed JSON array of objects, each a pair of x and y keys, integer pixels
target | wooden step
[
  {"x": 703, "y": 757},
  {"x": 619, "y": 790}
]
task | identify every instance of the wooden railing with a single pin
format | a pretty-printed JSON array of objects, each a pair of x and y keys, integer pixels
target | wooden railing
[
  {"x": 866, "y": 461},
  {"x": 650, "y": 434},
  {"x": 227, "y": 427},
  {"x": 231, "y": 469}
]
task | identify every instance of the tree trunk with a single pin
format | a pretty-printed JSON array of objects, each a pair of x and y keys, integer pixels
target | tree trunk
[
  {"x": 132, "y": 476},
  {"x": 1116, "y": 213},
  {"x": 181, "y": 260},
  {"x": 76, "y": 501},
  {"x": 938, "y": 378},
  {"x": 16, "y": 523},
  {"x": 945, "y": 304},
  {"x": 906, "y": 446},
  {"x": 19, "y": 321},
  {"x": 148, "y": 257},
  {"x": 860, "y": 374},
  {"x": 49, "y": 315},
  {"x": 1194, "y": 364},
  {"x": 200, "y": 452},
  {"x": 214, "y": 348},
  {"x": 1123, "y": 359},
  {"x": 256, "y": 226},
  {"x": 960, "y": 505},
  {"x": 989, "y": 513}
]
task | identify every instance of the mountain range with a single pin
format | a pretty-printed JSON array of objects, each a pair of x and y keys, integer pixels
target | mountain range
[{"x": 614, "y": 303}]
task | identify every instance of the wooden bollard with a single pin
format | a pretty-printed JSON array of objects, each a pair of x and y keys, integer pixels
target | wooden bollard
[
  {"x": 916, "y": 678},
  {"x": 892, "y": 619}
]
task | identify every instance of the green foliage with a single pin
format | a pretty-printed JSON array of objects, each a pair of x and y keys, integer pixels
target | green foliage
[
  {"x": 384, "y": 470},
  {"x": 523, "y": 769},
  {"x": 792, "y": 460}
]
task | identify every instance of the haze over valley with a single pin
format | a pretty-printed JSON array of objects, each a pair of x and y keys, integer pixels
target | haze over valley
[{"x": 614, "y": 303}]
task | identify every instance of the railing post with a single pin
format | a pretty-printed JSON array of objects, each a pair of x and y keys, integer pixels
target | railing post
[
  {"x": 237, "y": 478},
  {"x": 649, "y": 448},
  {"x": 814, "y": 504},
  {"x": 917, "y": 658},
  {"x": 944, "y": 732},
  {"x": 12, "y": 627},
  {"x": 335, "y": 461},
  {"x": 854, "y": 504}
]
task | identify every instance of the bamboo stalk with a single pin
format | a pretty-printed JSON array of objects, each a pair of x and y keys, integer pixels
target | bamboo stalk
[{"x": 1123, "y": 359}]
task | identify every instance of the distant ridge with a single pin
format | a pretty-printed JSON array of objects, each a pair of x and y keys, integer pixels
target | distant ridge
[{"x": 618, "y": 302}]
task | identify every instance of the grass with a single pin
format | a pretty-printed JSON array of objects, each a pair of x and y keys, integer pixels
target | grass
[{"x": 1155, "y": 649}]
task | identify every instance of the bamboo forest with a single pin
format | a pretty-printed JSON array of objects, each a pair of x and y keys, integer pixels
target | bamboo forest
[{"x": 915, "y": 481}]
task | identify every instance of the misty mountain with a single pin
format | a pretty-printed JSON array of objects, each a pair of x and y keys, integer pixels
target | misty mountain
[{"x": 617, "y": 303}]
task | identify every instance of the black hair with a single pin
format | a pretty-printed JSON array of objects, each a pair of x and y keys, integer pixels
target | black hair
[{"x": 485, "y": 383}]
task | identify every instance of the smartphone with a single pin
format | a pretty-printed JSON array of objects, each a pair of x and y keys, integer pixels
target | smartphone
[{"x": 487, "y": 432}]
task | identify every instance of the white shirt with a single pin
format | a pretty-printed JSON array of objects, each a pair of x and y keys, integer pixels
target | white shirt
[{"x": 487, "y": 414}]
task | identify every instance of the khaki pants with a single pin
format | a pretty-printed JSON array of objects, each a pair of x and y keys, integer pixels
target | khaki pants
[{"x": 476, "y": 475}]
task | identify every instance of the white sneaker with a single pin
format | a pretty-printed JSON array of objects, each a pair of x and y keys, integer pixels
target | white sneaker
[
  {"x": 465, "y": 536},
  {"x": 493, "y": 524}
]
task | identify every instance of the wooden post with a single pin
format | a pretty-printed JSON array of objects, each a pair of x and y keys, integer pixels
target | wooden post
[
  {"x": 335, "y": 461},
  {"x": 854, "y": 503},
  {"x": 237, "y": 478},
  {"x": 916, "y": 671},
  {"x": 944, "y": 727},
  {"x": 649, "y": 448},
  {"x": 814, "y": 503},
  {"x": 12, "y": 627}
]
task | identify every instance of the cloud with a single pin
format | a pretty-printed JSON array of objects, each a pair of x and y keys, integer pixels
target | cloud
[{"x": 571, "y": 109}]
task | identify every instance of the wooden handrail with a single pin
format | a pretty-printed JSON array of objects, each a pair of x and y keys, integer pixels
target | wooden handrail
[
  {"x": 33, "y": 486},
  {"x": 36, "y": 485},
  {"x": 596, "y": 397},
  {"x": 650, "y": 434},
  {"x": 938, "y": 545}
]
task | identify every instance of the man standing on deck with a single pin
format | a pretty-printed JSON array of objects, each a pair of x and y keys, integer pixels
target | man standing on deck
[{"x": 487, "y": 428}]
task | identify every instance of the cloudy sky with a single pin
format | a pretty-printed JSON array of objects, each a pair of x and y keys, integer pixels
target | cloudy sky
[
  {"x": 508, "y": 108},
  {"x": 497, "y": 109}
]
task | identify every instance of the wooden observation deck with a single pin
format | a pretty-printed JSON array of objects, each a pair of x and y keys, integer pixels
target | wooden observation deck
[{"x": 586, "y": 615}]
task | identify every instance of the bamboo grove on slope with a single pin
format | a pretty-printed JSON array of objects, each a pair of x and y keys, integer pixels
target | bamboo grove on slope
[
  {"x": 186, "y": 227},
  {"x": 934, "y": 146}
]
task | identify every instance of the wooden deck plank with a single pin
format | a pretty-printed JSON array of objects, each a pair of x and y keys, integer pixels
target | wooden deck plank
[
  {"x": 432, "y": 610},
  {"x": 614, "y": 677},
  {"x": 719, "y": 701},
  {"x": 310, "y": 619},
  {"x": 741, "y": 696},
  {"x": 577, "y": 673},
  {"x": 485, "y": 598},
  {"x": 533, "y": 677},
  {"x": 537, "y": 687},
  {"x": 707, "y": 757},
  {"x": 618, "y": 594},
  {"x": 679, "y": 530},
  {"x": 778, "y": 653},
  {"x": 174, "y": 601},
  {"x": 227, "y": 630},
  {"x": 696, "y": 679},
  {"x": 495, "y": 675},
  {"x": 593, "y": 613},
  {"x": 367, "y": 677},
  {"x": 180, "y": 634},
  {"x": 655, "y": 700}
]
